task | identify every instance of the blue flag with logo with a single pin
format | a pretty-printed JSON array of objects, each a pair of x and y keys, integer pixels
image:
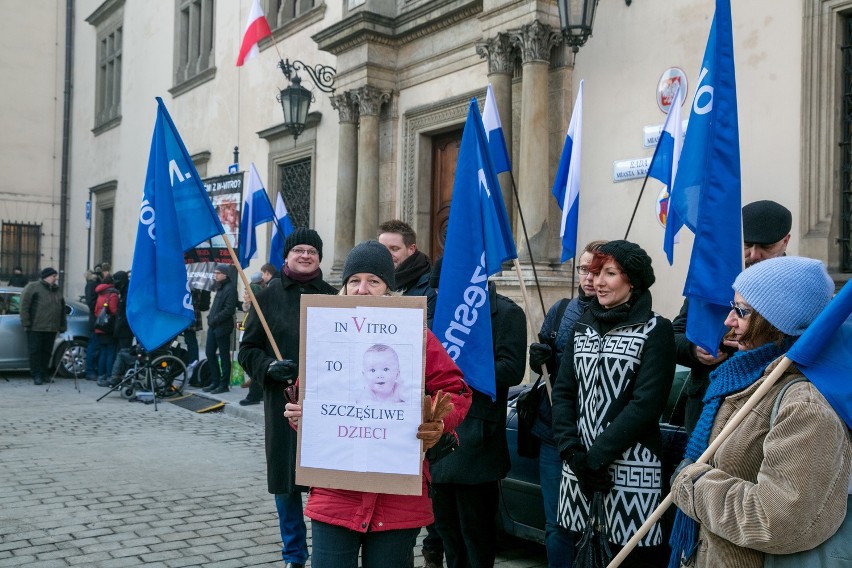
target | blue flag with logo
[
  {"x": 257, "y": 210},
  {"x": 478, "y": 241},
  {"x": 706, "y": 193},
  {"x": 824, "y": 353},
  {"x": 175, "y": 215}
]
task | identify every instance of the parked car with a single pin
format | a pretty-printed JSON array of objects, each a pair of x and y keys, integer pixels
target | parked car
[
  {"x": 69, "y": 351},
  {"x": 521, "y": 508}
]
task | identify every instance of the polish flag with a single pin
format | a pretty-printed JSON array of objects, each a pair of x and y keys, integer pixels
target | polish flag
[{"x": 257, "y": 28}]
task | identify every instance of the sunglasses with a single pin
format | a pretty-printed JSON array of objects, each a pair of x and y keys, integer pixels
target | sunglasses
[{"x": 741, "y": 312}]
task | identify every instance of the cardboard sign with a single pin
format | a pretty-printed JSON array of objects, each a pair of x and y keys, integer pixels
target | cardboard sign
[{"x": 362, "y": 361}]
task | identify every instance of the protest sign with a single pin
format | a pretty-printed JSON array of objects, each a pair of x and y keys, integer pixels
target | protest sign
[{"x": 362, "y": 362}]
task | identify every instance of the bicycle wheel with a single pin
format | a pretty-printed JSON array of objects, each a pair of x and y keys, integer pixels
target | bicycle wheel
[{"x": 168, "y": 376}]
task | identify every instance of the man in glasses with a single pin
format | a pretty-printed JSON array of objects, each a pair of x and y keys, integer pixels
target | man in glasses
[{"x": 766, "y": 233}]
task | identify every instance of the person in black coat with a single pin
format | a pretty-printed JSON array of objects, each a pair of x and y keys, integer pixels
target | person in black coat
[
  {"x": 18, "y": 279},
  {"x": 465, "y": 483},
  {"x": 279, "y": 302},
  {"x": 220, "y": 326}
]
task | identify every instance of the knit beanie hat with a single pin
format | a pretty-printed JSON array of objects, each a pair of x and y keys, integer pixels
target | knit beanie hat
[
  {"x": 372, "y": 257},
  {"x": 223, "y": 268},
  {"x": 788, "y": 291},
  {"x": 634, "y": 261},
  {"x": 47, "y": 272},
  {"x": 256, "y": 278},
  {"x": 303, "y": 236}
]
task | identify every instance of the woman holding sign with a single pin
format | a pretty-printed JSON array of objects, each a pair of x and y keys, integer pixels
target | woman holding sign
[
  {"x": 382, "y": 527},
  {"x": 779, "y": 484}
]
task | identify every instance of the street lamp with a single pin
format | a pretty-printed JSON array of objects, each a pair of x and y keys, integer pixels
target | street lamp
[
  {"x": 576, "y": 18},
  {"x": 295, "y": 99}
]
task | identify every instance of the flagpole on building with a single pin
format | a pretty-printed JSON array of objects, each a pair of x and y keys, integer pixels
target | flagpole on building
[
  {"x": 529, "y": 251},
  {"x": 253, "y": 300},
  {"x": 636, "y": 207}
]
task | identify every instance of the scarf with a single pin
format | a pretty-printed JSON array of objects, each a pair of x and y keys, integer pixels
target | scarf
[
  {"x": 734, "y": 375},
  {"x": 411, "y": 269},
  {"x": 299, "y": 277}
]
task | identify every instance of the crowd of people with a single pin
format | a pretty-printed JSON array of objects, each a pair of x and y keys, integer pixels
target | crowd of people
[{"x": 780, "y": 486}]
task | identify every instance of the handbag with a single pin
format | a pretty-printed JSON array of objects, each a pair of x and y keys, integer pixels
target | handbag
[
  {"x": 593, "y": 549},
  {"x": 836, "y": 552},
  {"x": 526, "y": 406},
  {"x": 105, "y": 322}
]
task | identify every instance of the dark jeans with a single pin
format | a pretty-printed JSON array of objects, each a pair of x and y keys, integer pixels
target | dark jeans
[
  {"x": 92, "y": 353},
  {"x": 106, "y": 355},
  {"x": 465, "y": 516},
  {"x": 40, "y": 347},
  {"x": 124, "y": 359},
  {"x": 291, "y": 522},
  {"x": 558, "y": 541},
  {"x": 337, "y": 547},
  {"x": 191, "y": 340},
  {"x": 219, "y": 340}
]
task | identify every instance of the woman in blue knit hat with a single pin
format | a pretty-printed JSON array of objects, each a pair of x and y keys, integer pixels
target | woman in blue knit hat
[{"x": 779, "y": 484}]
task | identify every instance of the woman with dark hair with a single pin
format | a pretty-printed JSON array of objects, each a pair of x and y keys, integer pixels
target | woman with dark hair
[
  {"x": 780, "y": 483},
  {"x": 610, "y": 392}
]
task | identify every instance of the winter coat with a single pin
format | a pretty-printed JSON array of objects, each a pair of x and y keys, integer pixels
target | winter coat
[
  {"x": 200, "y": 303},
  {"x": 279, "y": 302},
  {"x": 423, "y": 288},
  {"x": 362, "y": 512},
  {"x": 220, "y": 320},
  {"x": 93, "y": 279},
  {"x": 107, "y": 299},
  {"x": 483, "y": 453},
  {"x": 18, "y": 280},
  {"x": 122, "y": 326},
  {"x": 775, "y": 491},
  {"x": 610, "y": 393},
  {"x": 43, "y": 308}
]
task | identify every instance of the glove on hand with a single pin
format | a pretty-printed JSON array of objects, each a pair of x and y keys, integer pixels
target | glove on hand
[
  {"x": 680, "y": 467},
  {"x": 284, "y": 371},
  {"x": 540, "y": 354},
  {"x": 430, "y": 433},
  {"x": 590, "y": 480}
]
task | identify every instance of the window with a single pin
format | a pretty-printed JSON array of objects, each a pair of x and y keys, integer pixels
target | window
[
  {"x": 194, "y": 42},
  {"x": 104, "y": 219},
  {"x": 108, "y": 20},
  {"x": 284, "y": 11},
  {"x": 20, "y": 245},
  {"x": 296, "y": 189}
]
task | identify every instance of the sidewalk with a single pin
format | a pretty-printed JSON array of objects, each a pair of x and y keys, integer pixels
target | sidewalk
[{"x": 252, "y": 413}]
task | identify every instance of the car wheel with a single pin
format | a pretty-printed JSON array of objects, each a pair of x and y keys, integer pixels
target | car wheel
[{"x": 71, "y": 357}]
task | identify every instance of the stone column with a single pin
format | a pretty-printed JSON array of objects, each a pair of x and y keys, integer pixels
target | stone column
[
  {"x": 369, "y": 100},
  {"x": 535, "y": 41},
  {"x": 499, "y": 52},
  {"x": 347, "y": 173}
]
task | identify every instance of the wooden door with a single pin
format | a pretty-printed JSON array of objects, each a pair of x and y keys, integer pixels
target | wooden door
[{"x": 445, "y": 154}]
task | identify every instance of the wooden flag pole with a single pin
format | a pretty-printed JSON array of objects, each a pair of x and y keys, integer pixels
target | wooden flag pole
[
  {"x": 531, "y": 323},
  {"x": 708, "y": 453},
  {"x": 253, "y": 300}
]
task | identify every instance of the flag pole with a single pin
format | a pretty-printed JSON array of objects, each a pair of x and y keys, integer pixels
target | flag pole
[
  {"x": 529, "y": 249},
  {"x": 532, "y": 324},
  {"x": 636, "y": 207},
  {"x": 253, "y": 300},
  {"x": 705, "y": 457}
]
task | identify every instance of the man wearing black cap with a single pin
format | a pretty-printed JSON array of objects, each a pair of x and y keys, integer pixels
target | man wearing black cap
[
  {"x": 42, "y": 316},
  {"x": 279, "y": 302},
  {"x": 220, "y": 326},
  {"x": 766, "y": 233}
]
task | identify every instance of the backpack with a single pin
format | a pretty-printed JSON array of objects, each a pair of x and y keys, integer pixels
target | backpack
[{"x": 105, "y": 322}]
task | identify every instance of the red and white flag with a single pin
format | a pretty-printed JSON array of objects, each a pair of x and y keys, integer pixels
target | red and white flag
[{"x": 257, "y": 28}]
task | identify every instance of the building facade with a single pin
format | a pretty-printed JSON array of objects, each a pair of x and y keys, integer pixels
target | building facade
[{"x": 384, "y": 144}]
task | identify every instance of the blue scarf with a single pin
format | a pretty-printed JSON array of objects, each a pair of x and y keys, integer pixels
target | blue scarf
[{"x": 734, "y": 375}]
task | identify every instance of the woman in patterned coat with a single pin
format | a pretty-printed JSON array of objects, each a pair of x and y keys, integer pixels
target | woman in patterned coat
[{"x": 611, "y": 390}]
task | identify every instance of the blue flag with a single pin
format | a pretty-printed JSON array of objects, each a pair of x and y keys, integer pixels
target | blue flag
[
  {"x": 478, "y": 242},
  {"x": 257, "y": 210},
  {"x": 824, "y": 353},
  {"x": 566, "y": 186},
  {"x": 280, "y": 232},
  {"x": 494, "y": 133},
  {"x": 175, "y": 215},
  {"x": 667, "y": 154},
  {"x": 706, "y": 194}
]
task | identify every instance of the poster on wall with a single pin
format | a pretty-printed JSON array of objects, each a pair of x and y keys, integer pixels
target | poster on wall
[
  {"x": 362, "y": 364},
  {"x": 226, "y": 194}
]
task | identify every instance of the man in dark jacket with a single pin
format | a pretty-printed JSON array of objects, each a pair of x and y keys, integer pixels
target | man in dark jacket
[
  {"x": 18, "y": 279},
  {"x": 220, "y": 327},
  {"x": 465, "y": 483},
  {"x": 412, "y": 268},
  {"x": 42, "y": 316},
  {"x": 279, "y": 303},
  {"x": 94, "y": 278}
]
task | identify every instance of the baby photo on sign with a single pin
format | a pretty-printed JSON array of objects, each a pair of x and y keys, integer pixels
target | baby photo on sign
[{"x": 383, "y": 376}]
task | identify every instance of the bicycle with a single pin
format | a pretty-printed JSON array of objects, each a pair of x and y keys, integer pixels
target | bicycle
[{"x": 158, "y": 375}]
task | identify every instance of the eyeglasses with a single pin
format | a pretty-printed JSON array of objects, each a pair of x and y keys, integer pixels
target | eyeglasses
[
  {"x": 300, "y": 251},
  {"x": 583, "y": 270},
  {"x": 741, "y": 312}
]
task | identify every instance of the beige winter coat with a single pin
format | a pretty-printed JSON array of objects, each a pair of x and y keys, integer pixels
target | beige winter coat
[{"x": 779, "y": 491}]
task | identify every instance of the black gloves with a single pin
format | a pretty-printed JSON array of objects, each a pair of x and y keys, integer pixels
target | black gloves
[
  {"x": 540, "y": 354},
  {"x": 284, "y": 371},
  {"x": 590, "y": 480}
]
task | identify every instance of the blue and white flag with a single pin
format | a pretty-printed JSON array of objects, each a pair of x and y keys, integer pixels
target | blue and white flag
[
  {"x": 494, "y": 133},
  {"x": 706, "y": 194},
  {"x": 824, "y": 353},
  {"x": 664, "y": 163},
  {"x": 257, "y": 210},
  {"x": 478, "y": 241},
  {"x": 566, "y": 186},
  {"x": 175, "y": 215},
  {"x": 282, "y": 229}
]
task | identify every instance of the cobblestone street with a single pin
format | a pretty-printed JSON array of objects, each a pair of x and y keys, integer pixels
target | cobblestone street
[{"x": 114, "y": 484}]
